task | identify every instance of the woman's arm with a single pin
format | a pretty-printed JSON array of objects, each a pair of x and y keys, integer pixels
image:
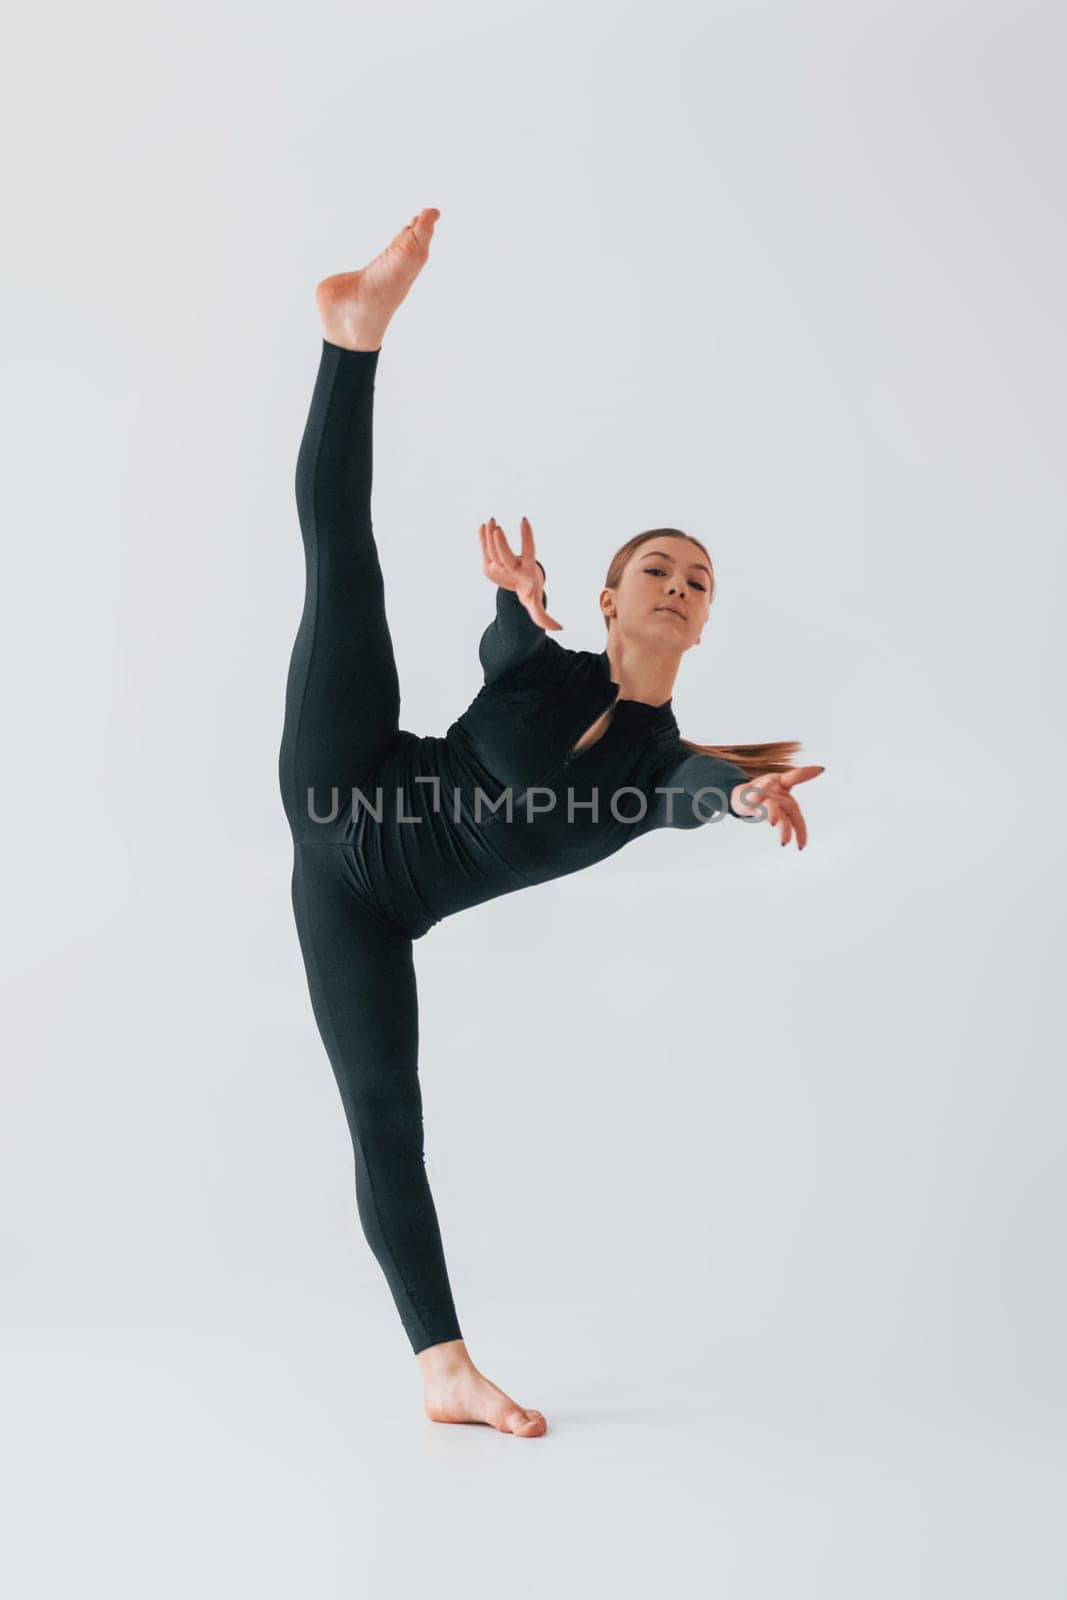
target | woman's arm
[
  {"x": 720, "y": 778},
  {"x": 513, "y": 637},
  {"x": 521, "y": 619}
]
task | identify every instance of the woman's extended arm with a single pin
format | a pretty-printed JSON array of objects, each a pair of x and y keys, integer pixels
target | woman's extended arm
[{"x": 766, "y": 796}]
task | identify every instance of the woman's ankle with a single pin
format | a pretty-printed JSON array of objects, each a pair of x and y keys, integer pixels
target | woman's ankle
[
  {"x": 439, "y": 1360},
  {"x": 367, "y": 340}
]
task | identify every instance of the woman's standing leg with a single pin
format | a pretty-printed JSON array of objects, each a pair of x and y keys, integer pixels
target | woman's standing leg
[{"x": 362, "y": 982}]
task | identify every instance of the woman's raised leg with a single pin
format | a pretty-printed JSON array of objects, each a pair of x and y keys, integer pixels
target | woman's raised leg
[{"x": 342, "y": 703}]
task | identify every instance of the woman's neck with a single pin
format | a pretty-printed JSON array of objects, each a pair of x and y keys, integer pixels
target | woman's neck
[{"x": 642, "y": 674}]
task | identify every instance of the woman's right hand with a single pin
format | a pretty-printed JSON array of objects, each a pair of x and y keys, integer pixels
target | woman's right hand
[
  {"x": 776, "y": 800},
  {"x": 520, "y": 573}
]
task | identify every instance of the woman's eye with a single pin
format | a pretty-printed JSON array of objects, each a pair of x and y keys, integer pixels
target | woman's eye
[{"x": 658, "y": 572}]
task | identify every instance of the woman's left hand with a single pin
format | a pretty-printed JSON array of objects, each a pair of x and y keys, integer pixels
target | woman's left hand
[{"x": 775, "y": 795}]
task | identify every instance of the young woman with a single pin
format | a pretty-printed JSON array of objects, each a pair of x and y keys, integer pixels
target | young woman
[{"x": 563, "y": 757}]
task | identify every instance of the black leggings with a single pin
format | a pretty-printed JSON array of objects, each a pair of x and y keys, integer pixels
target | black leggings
[{"x": 341, "y": 722}]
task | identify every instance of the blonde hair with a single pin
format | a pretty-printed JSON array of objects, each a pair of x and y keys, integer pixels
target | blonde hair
[{"x": 776, "y": 755}]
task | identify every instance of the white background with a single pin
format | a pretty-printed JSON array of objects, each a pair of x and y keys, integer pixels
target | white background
[{"x": 749, "y": 1162}]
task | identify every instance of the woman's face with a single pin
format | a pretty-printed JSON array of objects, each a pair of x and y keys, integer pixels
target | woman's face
[{"x": 664, "y": 593}]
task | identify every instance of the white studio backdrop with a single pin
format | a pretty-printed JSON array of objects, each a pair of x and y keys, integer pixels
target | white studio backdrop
[{"x": 766, "y": 1139}]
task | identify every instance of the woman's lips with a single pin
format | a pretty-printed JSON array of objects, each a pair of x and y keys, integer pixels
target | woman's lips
[{"x": 671, "y": 612}]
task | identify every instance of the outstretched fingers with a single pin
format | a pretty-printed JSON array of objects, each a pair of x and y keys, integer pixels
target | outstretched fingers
[
  {"x": 790, "y": 819},
  {"x": 779, "y": 817},
  {"x": 798, "y": 775},
  {"x": 502, "y": 565},
  {"x": 497, "y": 554},
  {"x": 505, "y": 554},
  {"x": 782, "y": 809},
  {"x": 541, "y": 616}
]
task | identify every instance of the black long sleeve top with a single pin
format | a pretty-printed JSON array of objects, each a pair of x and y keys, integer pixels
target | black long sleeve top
[
  {"x": 503, "y": 801},
  {"x": 563, "y": 692}
]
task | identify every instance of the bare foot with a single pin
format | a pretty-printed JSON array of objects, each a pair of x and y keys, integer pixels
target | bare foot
[
  {"x": 356, "y": 307},
  {"x": 455, "y": 1391}
]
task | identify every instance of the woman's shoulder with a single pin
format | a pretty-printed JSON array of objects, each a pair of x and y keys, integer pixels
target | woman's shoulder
[
  {"x": 515, "y": 645},
  {"x": 538, "y": 658}
]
